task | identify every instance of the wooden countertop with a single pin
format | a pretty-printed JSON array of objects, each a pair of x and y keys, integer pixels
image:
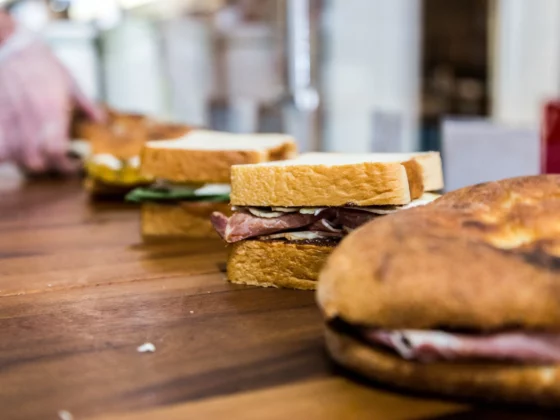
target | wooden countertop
[{"x": 79, "y": 292}]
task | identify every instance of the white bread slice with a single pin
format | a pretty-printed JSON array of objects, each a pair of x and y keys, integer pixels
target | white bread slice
[
  {"x": 185, "y": 219},
  {"x": 432, "y": 170},
  {"x": 277, "y": 263},
  {"x": 204, "y": 156},
  {"x": 329, "y": 179}
]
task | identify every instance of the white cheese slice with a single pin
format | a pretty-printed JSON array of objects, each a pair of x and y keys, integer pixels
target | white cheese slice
[
  {"x": 134, "y": 162},
  {"x": 299, "y": 236},
  {"x": 329, "y": 226},
  {"x": 311, "y": 210},
  {"x": 213, "y": 189},
  {"x": 285, "y": 209},
  {"x": 279, "y": 211},
  {"x": 265, "y": 214},
  {"x": 105, "y": 159}
]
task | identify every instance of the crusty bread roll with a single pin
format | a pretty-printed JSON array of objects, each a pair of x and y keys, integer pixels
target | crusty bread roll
[
  {"x": 277, "y": 263},
  {"x": 489, "y": 240},
  {"x": 330, "y": 179},
  {"x": 183, "y": 219},
  {"x": 482, "y": 259},
  {"x": 206, "y": 156}
]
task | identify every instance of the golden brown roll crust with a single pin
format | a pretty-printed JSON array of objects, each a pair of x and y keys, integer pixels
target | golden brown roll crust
[
  {"x": 484, "y": 257},
  {"x": 185, "y": 219},
  {"x": 276, "y": 264},
  {"x": 205, "y": 166},
  {"x": 529, "y": 384}
]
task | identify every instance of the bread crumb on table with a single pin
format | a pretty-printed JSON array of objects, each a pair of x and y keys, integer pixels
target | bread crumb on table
[
  {"x": 65, "y": 415},
  {"x": 146, "y": 348}
]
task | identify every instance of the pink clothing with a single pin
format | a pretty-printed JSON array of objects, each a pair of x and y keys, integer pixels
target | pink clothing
[{"x": 37, "y": 96}]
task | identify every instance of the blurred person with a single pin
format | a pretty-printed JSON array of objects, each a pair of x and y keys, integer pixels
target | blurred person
[{"x": 37, "y": 97}]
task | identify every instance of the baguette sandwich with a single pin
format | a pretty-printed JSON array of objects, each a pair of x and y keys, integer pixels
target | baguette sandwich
[
  {"x": 192, "y": 177},
  {"x": 289, "y": 216},
  {"x": 112, "y": 164},
  {"x": 459, "y": 298}
]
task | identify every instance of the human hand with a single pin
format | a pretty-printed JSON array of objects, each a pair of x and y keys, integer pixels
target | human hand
[{"x": 37, "y": 95}]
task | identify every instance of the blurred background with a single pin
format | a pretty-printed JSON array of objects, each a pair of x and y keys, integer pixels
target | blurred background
[{"x": 341, "y": 75}]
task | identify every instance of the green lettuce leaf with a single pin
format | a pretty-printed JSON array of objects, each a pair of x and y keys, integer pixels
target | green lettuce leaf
[{"x": 147, "y": 194}]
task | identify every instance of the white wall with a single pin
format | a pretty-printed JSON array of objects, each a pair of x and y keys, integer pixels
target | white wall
[
  {"x": 372, "y": 66},
  {"x": 526, "y": 59},
  {"x": 189, "y": 67},
  {"x": 133, "y": 68}
]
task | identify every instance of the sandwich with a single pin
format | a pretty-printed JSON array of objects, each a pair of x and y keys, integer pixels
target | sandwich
[
  {"x": 113, "y": 160},
  {"x": 289, "y": 216},
  {"x": 192, "y": 178},
  {"x": 459, "y": 298}
]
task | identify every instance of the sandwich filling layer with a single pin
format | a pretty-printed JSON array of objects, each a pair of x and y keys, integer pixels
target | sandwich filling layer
[
  {"x": 429, "y": 346},
  {"x": 162, "y": 192},
  {"x": 434, "y": 346},
  {"x": 300, "y": 223},
  {"x": 115, "y": 171}
]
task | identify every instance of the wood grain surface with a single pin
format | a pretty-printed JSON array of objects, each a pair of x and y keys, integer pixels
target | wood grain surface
[{"x": 79, "y": 292}]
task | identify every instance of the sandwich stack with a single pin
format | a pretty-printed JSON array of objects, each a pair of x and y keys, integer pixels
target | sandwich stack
[
  {"x": 112, "y": 164},
  {"x": 289, "y": 216},
  {"x": 192, "y": 178},
  {"x": 460, "y": 297}
]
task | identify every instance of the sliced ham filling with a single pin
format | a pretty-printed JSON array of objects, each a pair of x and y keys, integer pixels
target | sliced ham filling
[
  {"x": 301, "y": 223},
  {"x": 245, "y": 225},
  {"x": 325, "y": 222},
  {"x": 434, "y": 346}
]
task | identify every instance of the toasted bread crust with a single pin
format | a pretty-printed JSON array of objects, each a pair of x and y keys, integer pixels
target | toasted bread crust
[
  {"x": 414, "y": 173},
  {"x": 206, "y": 166},
  {"x": 185, "y": 219},
  {"x": 166, "y": 131},
  {"x": 485, "y": 257},
  {"x": 123, "y": 139},
  {"x": 523, "y": 384},
  {"x": 316, "y": 185},
  {"x": 276, "y": 264}
]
